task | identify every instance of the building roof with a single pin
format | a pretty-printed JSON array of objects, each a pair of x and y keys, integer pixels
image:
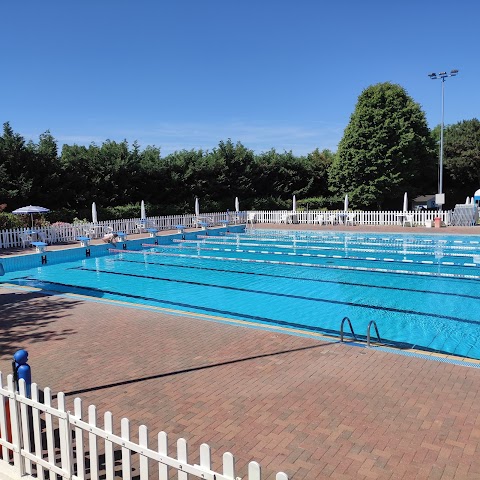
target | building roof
[{"x": 424, "y": 198}]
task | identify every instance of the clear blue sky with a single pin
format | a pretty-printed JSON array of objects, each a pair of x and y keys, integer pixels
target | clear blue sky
[{"x": 185, "y": 74}]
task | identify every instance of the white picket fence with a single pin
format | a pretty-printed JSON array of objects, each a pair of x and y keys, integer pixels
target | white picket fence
[
  {"x": 420, "y": 217},
  {"x": 68, "y": 233},
  {"x": 37, "y": 438},
  {"x": 12, "y": 238}
]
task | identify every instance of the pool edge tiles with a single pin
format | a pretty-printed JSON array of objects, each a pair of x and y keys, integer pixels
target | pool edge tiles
[{"x": 415, "y": 353}]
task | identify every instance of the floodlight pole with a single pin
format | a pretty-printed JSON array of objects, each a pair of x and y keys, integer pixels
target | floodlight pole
[{"x": 442, "y": 76}]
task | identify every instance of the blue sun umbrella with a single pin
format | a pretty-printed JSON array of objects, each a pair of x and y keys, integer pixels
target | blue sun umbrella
[{"x": 30, "y": 210}]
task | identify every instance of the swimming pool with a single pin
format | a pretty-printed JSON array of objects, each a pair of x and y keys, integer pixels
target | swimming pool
[{"x": 422, "y": 291}]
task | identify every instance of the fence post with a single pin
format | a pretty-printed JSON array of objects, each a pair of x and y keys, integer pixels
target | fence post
[
  {"x": 254, "y": 471},
  {"x": 25, "y": 425},
  {"x": 15, "y": 423},
  {"x": 37, "y": 429},
  {"x": 126, "y": 453},
  {"x": 143, "y": 442},
  {"x": 109, "y": 458},
  {"x": 80, "y": 449},
  {"x": 163, "y": 449},
  {"x": 5, "y": 432},
  {"x": 182, "y": 455},
  {"x": 66, "y": 454},
  {"x": 229, "y": 465},
  {"x": 205, "y": 458},
  {"x": 92, "y": 442}
]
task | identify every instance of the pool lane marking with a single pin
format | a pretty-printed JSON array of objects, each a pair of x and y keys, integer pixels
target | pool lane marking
[
  {"x": 351, "y": 246},
  {"x": 273, "y": 252},
  {"x": 274, "y": 294},
  {"x": 329, "y": 238},
  {"x": 288, "y": 277},
  {"x": 420, "y": 242},
  {"x": 326, "y": 257}
]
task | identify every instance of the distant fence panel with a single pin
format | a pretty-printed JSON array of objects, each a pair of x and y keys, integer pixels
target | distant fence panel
[
  {"x": 12, "y": 238},
  {"x": 69, "y": 233},
  {"x": 37, "y": 437},
  {"x": 420, "y": 217}
]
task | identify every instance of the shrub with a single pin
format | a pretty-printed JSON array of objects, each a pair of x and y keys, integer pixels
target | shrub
[{"x": 9, "y": 220}]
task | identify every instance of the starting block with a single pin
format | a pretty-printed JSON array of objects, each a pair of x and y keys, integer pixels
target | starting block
[
  {"x": 84, "y": 241},
  {"x": 180, "y": 228},
  {"x": 152, "y": 232},
  {"x": 40, "y": 247},
  {"x": 121, "y": 236}
]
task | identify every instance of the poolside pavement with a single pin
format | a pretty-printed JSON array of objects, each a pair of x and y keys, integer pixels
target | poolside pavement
[{"x": 312, "y": 408}]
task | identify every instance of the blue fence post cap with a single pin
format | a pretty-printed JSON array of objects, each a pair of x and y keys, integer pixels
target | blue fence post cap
[{"x": 21, "y": 357}]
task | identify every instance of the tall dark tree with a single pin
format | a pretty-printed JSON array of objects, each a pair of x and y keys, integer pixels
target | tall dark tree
[
  {"x": 386, "y": 150},
  {"x": 234, "y": 174},
  {"x": 462, "y": 159},
  {"x": 16, "y": 164},
  {"x": 318, "y": 164},
  {"x": 46, "y": 186}
]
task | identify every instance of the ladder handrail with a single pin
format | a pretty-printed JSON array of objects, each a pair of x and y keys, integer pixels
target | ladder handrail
[
  {"x": 368, "y": 332},
  {"x": 351, "y": 328}
]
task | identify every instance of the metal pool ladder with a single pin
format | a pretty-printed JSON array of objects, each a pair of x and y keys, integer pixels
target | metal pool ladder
[
  {"x": 351, "y": 328},
  {"x": 372, "y": 322}
]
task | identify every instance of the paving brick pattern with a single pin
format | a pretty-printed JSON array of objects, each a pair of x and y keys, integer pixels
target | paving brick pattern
[{"x": 313, "y": 409}]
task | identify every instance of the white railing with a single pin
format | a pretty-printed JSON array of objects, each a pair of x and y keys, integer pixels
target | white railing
[
  {"x": 420, "y": 217},
  {"x": 68, "y": 233},
  {"x": 38, "y": 438}
]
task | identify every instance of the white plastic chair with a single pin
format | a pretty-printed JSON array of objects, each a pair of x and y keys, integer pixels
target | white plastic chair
[
  {"x": 332, "y": 219},
  {"x": 141, "y": 227},
  {"x": 89, "y": 232},
  {"x": 408, "y": 220},
  {"x": 49, "y": 236},
  {"x": 26, "y": 239},
  {"x": 350, "y": 220}
]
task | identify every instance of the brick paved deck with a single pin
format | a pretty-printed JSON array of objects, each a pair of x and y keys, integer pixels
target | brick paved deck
[{"x": 313, "y": 409}]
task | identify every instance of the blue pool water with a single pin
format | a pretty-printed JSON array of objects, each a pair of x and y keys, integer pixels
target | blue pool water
[{"x": 422, "y": 291}]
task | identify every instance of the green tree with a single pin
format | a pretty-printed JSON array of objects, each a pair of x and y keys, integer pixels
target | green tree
[
  {"x": 15, "y": 169},
  {"x": 386, "y": 149},
  {"x": 76, "y": 174},
  {"x": 233, "y": 168},
  {"x": 45, "y": 172},
  {"x": 462, "y": 159},
  {"x": 318, "y": 165}
]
